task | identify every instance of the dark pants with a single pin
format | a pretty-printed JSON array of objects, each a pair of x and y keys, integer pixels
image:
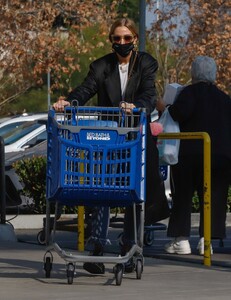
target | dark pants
[
  {"x": 156, "y": 206},
  {"x": 187, "y": 178},
  {"x": 155, "y": 194}
]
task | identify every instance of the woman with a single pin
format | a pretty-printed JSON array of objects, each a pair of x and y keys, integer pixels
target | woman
[
  {"x": 129, "y": 76},
  {"x": 200, "y": 107}
]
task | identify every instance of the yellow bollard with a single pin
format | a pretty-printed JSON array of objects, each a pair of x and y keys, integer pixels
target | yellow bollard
[
  {"x": 207, "y": 184},
  {"x": 207, "y": 200},
  {"x": 81, "y": 212},
  {"x": 81, "y": 228}
]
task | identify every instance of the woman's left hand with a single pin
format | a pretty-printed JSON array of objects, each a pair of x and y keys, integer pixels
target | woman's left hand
[
  {"x": 128, "y": 107},
  {"x": 160, "y": 105}
]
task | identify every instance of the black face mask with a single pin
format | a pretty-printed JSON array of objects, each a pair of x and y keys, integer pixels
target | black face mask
[{"x": 123, "y": 49}]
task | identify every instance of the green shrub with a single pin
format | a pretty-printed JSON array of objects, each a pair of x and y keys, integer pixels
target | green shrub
[
  {"x": 32, "y": 174},
  {"x": 195, "y": 202},
  {"x": 229, "y": 200}
]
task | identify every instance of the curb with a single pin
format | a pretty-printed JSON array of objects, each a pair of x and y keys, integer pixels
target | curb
[
  {"x": 25, "y": 221},
  {"x": 36, "y": 221},
  {"x": 29, "y": 221}
]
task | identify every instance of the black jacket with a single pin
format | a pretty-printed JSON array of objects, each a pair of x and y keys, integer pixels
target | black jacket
[
  {"x": 202, "y": 107},
  {"x": 103, "y": 79}
]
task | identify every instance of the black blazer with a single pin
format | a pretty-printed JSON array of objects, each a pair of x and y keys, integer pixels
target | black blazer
[
  {"x": 103, "y": 79},
  {"x": 205, "y": 108}
]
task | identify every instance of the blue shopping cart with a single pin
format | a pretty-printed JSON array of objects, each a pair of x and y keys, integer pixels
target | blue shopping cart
[{"x": 96, "y": 157}]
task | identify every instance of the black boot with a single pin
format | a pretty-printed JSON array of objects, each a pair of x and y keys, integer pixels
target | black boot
[{"x": 95, "y": 268}]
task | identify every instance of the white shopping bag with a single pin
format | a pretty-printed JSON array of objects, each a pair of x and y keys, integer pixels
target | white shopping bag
[{"x": 168, "y": 148}]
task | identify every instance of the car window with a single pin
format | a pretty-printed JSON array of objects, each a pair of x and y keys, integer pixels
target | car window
[
  {"x": 17, "y": 133},
  {"x": 36, "y": 140},
  {"x": 9, "y": 127}
]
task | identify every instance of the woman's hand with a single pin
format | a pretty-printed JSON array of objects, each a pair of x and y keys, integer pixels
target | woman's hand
[
  {"x": 128, "y": 107},
  {"x": 160, "y": 105},
  {"x": 60, "y": 104}
]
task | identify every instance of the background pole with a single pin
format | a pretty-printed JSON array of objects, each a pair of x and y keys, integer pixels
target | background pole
[
  {"x": 2, "y": 181},
  {"x": 142, "y": 27}
]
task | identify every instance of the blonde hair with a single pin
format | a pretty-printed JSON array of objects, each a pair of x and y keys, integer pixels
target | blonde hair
[{"x": 130, "y": 24}]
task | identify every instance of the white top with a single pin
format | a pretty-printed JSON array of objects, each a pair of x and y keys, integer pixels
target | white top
[{"x": 123, "y": 70}]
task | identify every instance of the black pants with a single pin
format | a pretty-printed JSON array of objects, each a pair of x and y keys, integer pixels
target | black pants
[
  {"x": 156, "y": 206},
  {"x": 187, "y": 178},
  {"x": 156, "y": 202}
]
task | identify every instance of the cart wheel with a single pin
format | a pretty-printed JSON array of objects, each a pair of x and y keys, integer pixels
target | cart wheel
[
  {"x": 149, "y": 237},
  {"x": 118, "y": 270},
  {"x": 139, "y": 269},
  {"x": 41, "y": 237},
  {"x": 48, "y": 267},
  {"x": 70, "y": 273}
]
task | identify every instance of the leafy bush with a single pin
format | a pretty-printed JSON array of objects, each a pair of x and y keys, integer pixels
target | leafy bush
[
  {"x": 32, "y": 174},
  {"x": 229, "y": 200},
  {"x": 195, "y": 202}
]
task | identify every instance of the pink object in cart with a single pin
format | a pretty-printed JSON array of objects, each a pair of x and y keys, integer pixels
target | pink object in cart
[{"x": 156, "y": 128}]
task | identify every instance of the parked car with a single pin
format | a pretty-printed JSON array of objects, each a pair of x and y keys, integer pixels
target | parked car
[
  {"x": 25, "y": 136},
  {"x": 8, "y": 124},
  {"x": 3, "y": 119},
  {"x": 22, "y": 132},
  {"x": 15, "y": 202}
]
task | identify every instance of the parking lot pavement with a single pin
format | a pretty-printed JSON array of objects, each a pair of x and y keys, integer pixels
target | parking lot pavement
[
  {"x": 221, "y": 250},
  {"x": 173, "y": 277}
]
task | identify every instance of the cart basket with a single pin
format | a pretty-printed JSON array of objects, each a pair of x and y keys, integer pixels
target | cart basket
[{"x": 96, "y": 156}]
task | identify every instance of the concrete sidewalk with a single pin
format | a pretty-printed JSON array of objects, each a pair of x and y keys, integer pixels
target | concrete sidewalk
[{"x": 164, "y": 276}]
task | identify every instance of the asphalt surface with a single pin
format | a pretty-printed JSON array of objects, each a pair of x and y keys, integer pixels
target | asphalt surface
[{"x": 164, "y": 276}]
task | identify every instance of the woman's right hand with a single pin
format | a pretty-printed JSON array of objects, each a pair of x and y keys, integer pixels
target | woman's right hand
[{"x": 60, "y": 104}]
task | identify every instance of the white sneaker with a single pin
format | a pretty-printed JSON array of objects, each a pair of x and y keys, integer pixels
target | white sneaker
[
  {"x": 179, "y": 245},
  {"x": 200, "y": 247}
]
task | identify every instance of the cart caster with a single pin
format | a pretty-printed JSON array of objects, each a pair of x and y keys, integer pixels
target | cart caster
[
  {"x": 118, "y": 271},
  {"x": 149, "y": 237},
  {"x": 41, "y": 237},
  {"x": 139, "y": 269},
  {"x": 48, "y": 260},
  {"x": 70, "y": 273}
]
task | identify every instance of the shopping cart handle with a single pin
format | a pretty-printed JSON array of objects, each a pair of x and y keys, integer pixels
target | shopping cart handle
[
  {"x": 75, "y": 103},
  {"x": 136, "y": 110},
  {"x": 73, "y": 109}
]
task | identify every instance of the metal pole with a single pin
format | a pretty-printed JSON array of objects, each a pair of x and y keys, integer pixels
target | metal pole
[
  {"x": 207, "y": 183},
  {"x": 81, "y": 228},
  {"x": 207, "y": 200},
  {"x": 2, "y": 181},
  {"x": 81, "y": 211},
  {"x": 48, "y": 88},
  {"x": 142, "y": 28}
]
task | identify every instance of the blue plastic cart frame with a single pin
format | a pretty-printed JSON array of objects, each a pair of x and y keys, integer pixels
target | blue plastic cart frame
[{"x": 96, "y": 156}]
